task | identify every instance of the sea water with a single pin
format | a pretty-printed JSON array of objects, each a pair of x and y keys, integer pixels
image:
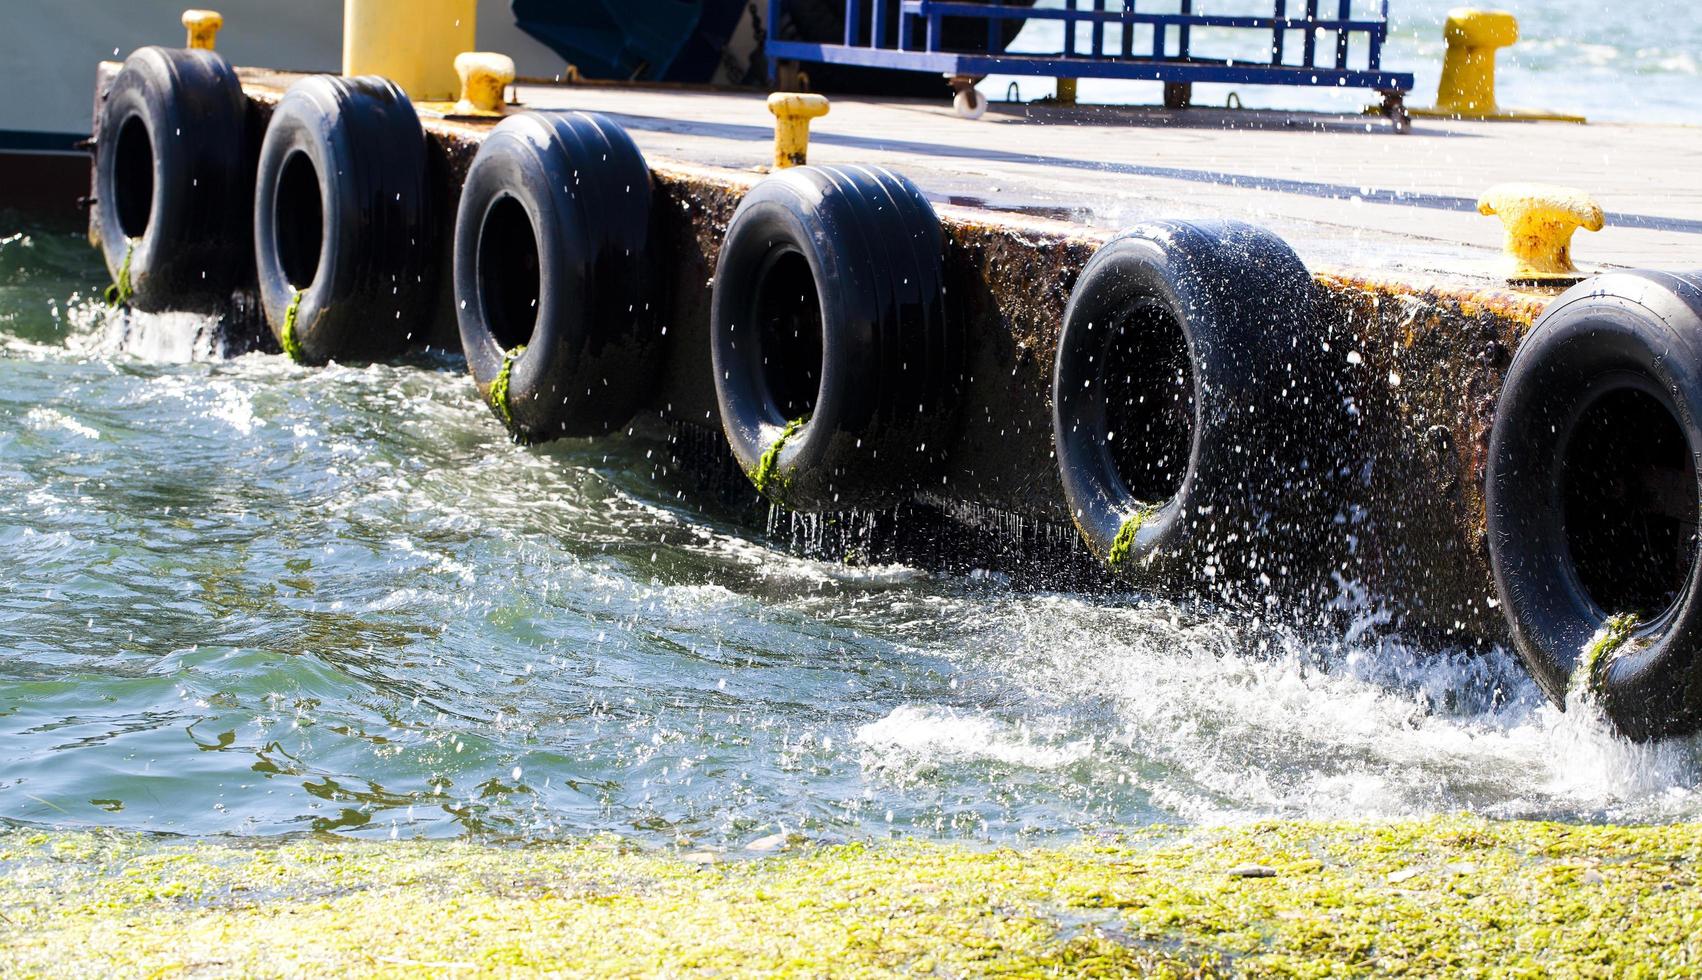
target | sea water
[{"x": 238, "y": 596}]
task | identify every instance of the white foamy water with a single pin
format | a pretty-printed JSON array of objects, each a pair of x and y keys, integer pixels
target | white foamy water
[
  {"x": 1210, "y": 719},
  {"x": 166, "y": 338},
  {"x": 914, "y": 738}
]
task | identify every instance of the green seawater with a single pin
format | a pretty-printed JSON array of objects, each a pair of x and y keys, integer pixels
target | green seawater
[{"x": 241, "y": 597}]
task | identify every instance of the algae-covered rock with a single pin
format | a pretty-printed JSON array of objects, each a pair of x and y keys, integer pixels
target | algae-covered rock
[{"x": 1339, "y": 899}]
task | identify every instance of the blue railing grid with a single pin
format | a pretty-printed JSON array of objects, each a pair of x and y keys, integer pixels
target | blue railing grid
[{"x": 1316, "y": 42}]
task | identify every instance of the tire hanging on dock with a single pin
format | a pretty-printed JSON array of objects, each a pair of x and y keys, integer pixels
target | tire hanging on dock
[
  {"x": 173, "y": 177},
  {"x": 343, "y": 238},
  {"x": 552, "y": 284},
  {"x": 837, "y": 367},
  {"x": 1593, "y": 496},
  {"x": 1189, "y": 413}
]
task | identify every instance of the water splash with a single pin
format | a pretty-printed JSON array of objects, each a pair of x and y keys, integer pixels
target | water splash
[{"x": 261, "y": 599}]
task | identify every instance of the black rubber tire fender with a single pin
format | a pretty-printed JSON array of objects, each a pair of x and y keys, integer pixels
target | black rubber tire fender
[
  {"x": 1604, "y": 396},
  {"x": 552, "y": 254},
  {"x": 343, "y": 232},
  {"x": 173, "y": 179},
  {"x": 1222, "y": 404},
  {"x": 868, "y": 422}
]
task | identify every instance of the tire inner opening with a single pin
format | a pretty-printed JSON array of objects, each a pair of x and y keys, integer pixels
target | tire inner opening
[
  {"x": 298, "y": 220},
  {"x": 133, "y": 177},
  {"x": 508, "y": 272},
  {"x": 1147, "y": 381},
  {"x": 1629, "y": 492},
  {"x": 787, "y": 315}
]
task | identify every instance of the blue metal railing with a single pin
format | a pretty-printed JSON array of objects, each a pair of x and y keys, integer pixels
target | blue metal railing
[{"x": 916, "y": 41}]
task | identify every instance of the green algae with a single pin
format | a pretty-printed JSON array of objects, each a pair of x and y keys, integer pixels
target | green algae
[
  {"x": 120, "y": 292},
  {"x": 767, "y": 475},
  {"x": 1125, "y": 540},
  {"x": 1446, "y": 896},
  {"x": 1600, "y": 652},
  {"x": 499, "y": 387},
  {"x": 287, "y": 340}
]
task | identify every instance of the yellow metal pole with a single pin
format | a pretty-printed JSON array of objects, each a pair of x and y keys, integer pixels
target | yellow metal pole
[
  {"x": 1467, "y": 87},
  {"x": 1468, "y": 69},
  {"x": 411, "y": 42},
  {"x": 203, "y": 26},
  {"x": 792, "y": 114}
]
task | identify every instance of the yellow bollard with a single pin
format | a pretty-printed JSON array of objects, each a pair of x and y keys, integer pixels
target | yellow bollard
[
  {"x": 792, "y": 114},
  {"x": 484, "y": 76},
  {"x": 1539, "y": 220},
  {"x": 411, "y": 42},
  {"x": 203, "y": 26},
  {"x": 1467, "y": 88},
  {"x": 1468, "y": 69},
  {"x": 1066, "y": 94}
]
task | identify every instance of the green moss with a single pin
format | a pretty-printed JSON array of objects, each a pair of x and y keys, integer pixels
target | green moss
[
  {"x": 287, "y": 340},
  {"x": 1448, "y": 896},
  {"x": 499, "y": 387},
  {"x": 119, "y": 293},
  {"x": 1600, "y": 652},
  {"x": 767, "y": 476},
  {"x": 1125, "y": 540}
]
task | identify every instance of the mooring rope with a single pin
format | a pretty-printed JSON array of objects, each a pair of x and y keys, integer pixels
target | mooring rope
[
  {"x": 291, "y": 345},
  {"x": 1125, "y": 540},
  {"x": 499, "y": 387},
  {"x": 767, "y": 468},
  {"x": 1609, "y": 642},
  {"x": 119, "y": 293}
]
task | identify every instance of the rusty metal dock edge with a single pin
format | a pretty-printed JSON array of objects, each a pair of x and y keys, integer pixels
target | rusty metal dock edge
[{"x": 1421, "y": 362}]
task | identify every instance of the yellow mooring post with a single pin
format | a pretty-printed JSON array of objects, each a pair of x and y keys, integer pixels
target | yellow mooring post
[
  {"x": 1066, "y": 94},
  {"x": 1467, "y": 88},
  {"x": 792, "y": 114},
  {"x": 203, "y": 26},
  {"x": 411, "y": 42},
  {"x": 1468, "y": 69},
  {"x": 484, "y": 76},
  {"x": 1539, "y": 220}
]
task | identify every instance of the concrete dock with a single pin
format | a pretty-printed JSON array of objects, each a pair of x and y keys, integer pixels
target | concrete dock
[
  {"x": 1344, "y": 190},
  {"x": 1409, "y": 277}
]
